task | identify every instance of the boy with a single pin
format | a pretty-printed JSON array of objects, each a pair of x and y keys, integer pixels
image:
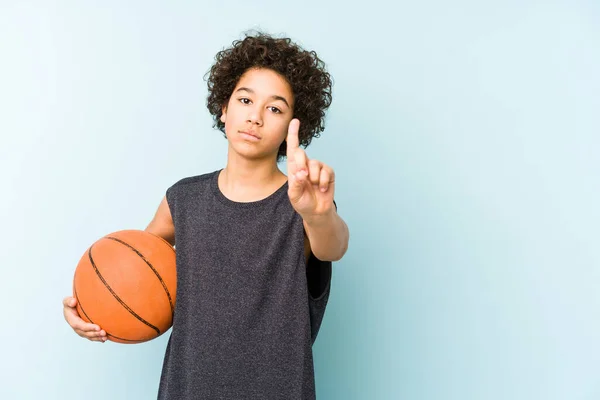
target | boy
[{"x": 254, "y": 246}]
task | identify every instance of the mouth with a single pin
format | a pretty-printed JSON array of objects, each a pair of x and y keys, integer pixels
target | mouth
[{"x": 249, "y": 135}]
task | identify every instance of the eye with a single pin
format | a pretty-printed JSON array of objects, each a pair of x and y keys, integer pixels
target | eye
[
  {"x": 245, "y": 100},
  {"x": 275, "y": 110}
]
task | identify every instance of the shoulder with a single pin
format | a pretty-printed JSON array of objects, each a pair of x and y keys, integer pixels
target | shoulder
[
  {"x": 188, "y": 186},
  {"x": 192, "y": 180}
]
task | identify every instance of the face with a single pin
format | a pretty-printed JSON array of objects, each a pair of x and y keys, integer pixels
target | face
[{"x": 258, "y": 114}]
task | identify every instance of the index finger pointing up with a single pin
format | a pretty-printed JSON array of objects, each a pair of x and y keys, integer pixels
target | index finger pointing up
[{"x": 292, "y": 137}]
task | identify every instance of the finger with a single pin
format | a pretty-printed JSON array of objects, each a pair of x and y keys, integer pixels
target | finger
[
  {"x": 326, "y": 179},
  {"x": 293, "y": 144},
  {"x": 314, "y": 171},
  {"x": 85, "y": 327},
  {"x": 77, "y": 323},
  {"x": 99, "y": 335},
  {"x": 91, "y": 334},
  {"x": 297, "y": 180},
  {"x": 300, "y": 161},
  {"x": 69, "y": 302},
  {"x": 97, "y": 339},
  {"x": 296, "y": 185},
  {"x": 74, "y": 319},
  {"x": 292, "y": 137}
]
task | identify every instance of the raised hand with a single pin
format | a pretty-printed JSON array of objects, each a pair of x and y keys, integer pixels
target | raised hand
[{"x": 311, "y": 183}]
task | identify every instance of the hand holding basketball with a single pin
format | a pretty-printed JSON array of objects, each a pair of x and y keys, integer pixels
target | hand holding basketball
[
  {"x": 126, "y": 283},
  {"x": 88, "y": 331}
]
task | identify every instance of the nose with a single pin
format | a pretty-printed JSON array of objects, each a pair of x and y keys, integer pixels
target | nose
[{"x": 255, "y": 117}]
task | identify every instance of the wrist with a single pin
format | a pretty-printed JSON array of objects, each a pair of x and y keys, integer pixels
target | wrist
[{"x": 320, "y": 219}]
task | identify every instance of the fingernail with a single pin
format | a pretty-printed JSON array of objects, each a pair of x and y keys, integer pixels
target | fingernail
[{"x": 323, "y": 189}]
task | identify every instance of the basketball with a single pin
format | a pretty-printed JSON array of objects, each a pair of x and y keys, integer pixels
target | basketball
[{"x": 125, "y": 283}]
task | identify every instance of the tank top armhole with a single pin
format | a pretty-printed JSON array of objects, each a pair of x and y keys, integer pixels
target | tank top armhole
[
  {"x": 171, "y": 200},
  {"x": 318, "y": 277},
  {"x": 173, "y": 192}
]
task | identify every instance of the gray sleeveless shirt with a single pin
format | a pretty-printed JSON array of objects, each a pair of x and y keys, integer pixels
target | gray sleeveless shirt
[{"x": 248, "y": 308}]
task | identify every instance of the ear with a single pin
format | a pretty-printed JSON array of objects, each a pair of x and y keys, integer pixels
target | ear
[{"x": 223, "y": 113}]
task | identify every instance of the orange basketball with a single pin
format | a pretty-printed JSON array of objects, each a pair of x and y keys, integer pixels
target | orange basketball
[{"x": 125, "y": 283}]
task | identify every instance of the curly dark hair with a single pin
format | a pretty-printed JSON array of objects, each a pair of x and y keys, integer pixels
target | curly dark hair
[{"x": 310, "y": 82}]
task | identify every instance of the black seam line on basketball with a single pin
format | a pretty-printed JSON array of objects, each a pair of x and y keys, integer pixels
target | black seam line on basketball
[
  {"x": 142, "y": 320},
  {"x": 167, "y": 243},
  {"x": 164, "y": 285},
  {"x": 125, "y": 340},
  {"x": 89, "y": 319}
]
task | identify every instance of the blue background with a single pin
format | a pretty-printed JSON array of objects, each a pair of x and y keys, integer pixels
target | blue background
[{"x": 465, "y": 140}]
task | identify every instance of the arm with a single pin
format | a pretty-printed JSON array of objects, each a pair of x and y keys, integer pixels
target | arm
[
  {"x": 311, "y": 191},
  {"x": 327, "y": 235},
  {"x": 162, "y": 223}
]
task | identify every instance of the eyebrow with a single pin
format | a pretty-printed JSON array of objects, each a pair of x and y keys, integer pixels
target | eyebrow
[{"x": 274, "y": 97}]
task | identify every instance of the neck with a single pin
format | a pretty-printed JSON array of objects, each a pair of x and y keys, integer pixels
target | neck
[{"x": 244, "y": 173}]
